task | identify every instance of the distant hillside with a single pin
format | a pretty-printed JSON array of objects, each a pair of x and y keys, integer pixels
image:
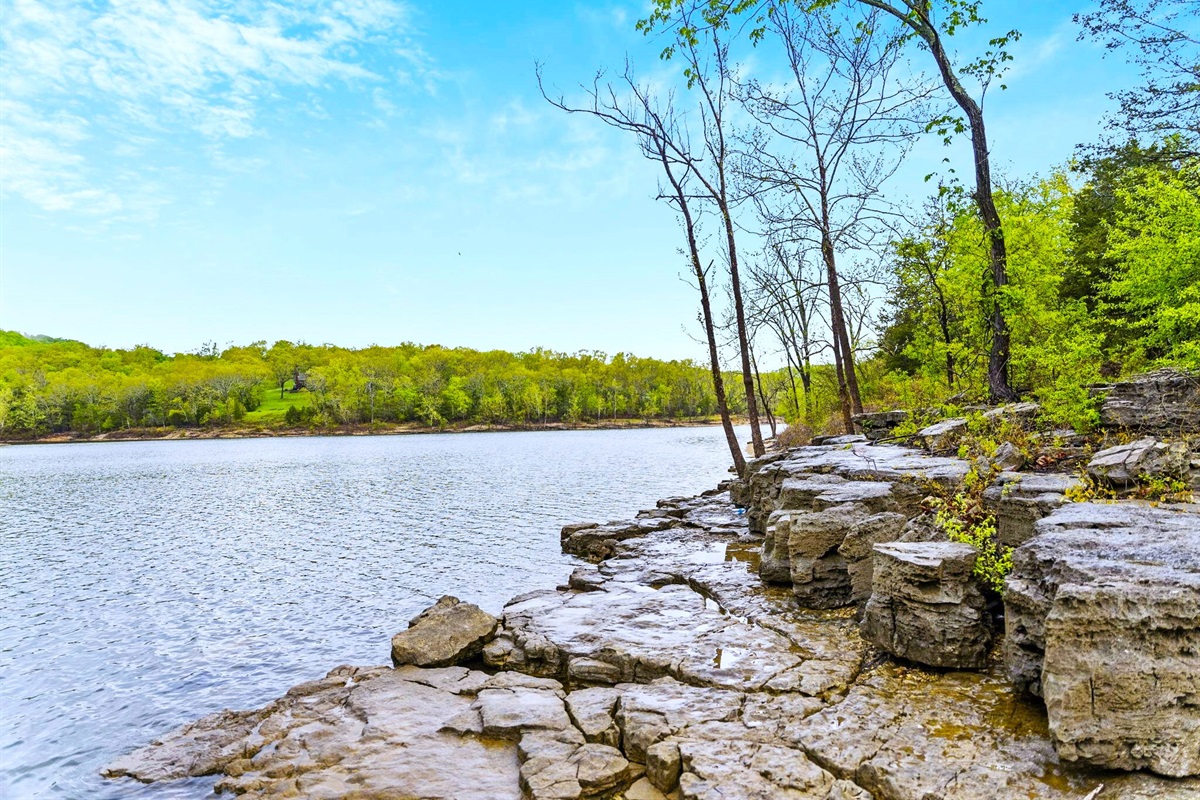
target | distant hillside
[
  {"x": 14, "y": 339},
  {"x": 52, "y": 386}
]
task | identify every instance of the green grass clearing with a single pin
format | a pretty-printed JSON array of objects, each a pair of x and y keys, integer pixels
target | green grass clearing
[{"x": 273, "y": 408}]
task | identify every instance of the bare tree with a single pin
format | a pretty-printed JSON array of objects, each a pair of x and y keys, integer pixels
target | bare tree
[
  {"x": 784, "y": 299},
  {"x": 1162, "y": 38},
  {"x": 825, "y": 145},
  {"x": 664, "y": 139},
  {"x": 705, "y": 53}
]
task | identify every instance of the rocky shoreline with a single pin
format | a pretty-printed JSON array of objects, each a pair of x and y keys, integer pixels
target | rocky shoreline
[{"x": 804, "y": 632}]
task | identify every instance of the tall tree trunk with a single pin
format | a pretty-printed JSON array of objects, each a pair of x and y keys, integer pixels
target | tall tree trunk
[
  {"x": 743, "y": 338},
  {"x": 843, "y": 390},
  {"x": 999, "y": 387},
  {"x": 714, "y": 358},
  {"x": 837, "y": 316}
]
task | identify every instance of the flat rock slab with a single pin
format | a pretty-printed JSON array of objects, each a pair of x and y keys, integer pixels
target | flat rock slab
[
  {"x": 1103, "y": 620},
  {"x": 366, "y": 732},
  {"x": 711, "y": 743},
  {"x": 644, "y": 633},
  {"x": 360, "y": 730},
  {"x": 905, "y": 734}
]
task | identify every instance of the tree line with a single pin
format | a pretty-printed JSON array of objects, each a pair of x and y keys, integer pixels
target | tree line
[
  {"x": 56, "y": 386},
  {"x": 992, "y": 289}
]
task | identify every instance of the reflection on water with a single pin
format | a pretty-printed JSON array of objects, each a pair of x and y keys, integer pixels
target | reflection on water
[{"x": 145, "y": 584}]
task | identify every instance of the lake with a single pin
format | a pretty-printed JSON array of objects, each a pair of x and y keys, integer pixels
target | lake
[{"x": 145, "y": 584}]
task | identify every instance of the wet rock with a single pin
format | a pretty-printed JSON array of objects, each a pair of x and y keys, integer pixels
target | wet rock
[
  {"x": 448, "y": 632},
  {"x": 1103, "y": 620},
  {"x": 1124, "y": 464},
  {"x": 1166, "y": 401},
  {"x": 1020, "y": 499},
  {"x": 714, "y": 770},
  {"x": 385, "y": 727},
  {"x": 942, "y": 435},
  {"x": 722, "y": 744},
  {"x": 597, "y": 542},
  {"x": 905, "y": 734},
  {"x": 642, "y": 633},
  {"x": 926, "y": 607}
]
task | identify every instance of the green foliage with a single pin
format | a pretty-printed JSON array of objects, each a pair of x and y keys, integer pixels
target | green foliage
[
  {"x": 964, "y": 520},
  {"x": 1107, "y": 273},
  {"x": 48, "y": 387},
  {"x": 1154, "y": 244},
  {"x": 1151, "y": 488}
]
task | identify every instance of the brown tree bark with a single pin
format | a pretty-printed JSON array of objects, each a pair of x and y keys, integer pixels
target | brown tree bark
[{"x": 915, "y": 15}]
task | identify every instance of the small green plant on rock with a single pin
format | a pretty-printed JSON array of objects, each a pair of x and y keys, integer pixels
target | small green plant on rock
[{"x": 964, "y": 519}]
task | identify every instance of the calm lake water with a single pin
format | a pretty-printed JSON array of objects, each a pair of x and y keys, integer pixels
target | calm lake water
[{"x": 145, "y": 584}]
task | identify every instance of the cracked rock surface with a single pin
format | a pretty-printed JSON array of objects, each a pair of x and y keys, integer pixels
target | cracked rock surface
[
  {"x": 665, "y": 669},
  {"x": 1103, "y": 621}
]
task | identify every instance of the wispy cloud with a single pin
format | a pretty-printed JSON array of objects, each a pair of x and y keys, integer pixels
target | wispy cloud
[{"x": 85, "y": 88}]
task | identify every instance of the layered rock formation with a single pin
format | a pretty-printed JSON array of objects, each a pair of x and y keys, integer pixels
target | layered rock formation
[
  {"x": 926, "y": 607},
  {"x": 1163, "y": 402},
  {"x": 1020, "y": 499},
  {"x": 668, "y": 668},
  {"x": 1103, "y": 621},
  {"x": 821, "y": 509}
]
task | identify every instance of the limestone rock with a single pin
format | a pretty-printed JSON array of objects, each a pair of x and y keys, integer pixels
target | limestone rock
[
  {"x": 1124, "y": 464},
  {"x": 906, "y": 734},
  {"x": 1020, "y": 499},
  {"x": 592, "y": 712},
  {"x": 1022, "y": 413},
  {"x": 1008, "y": 458},
  {"x": 908, "y": 470},
  {"x": 642, "y": 633},
  {"x": 880, "y": 424},
  {"x": 448, "y": 632},
  {"x": 857, "y": 549},
  {"x": 1165, "y": 401},
  {"x": 941, "y": 435},
  {"x": 386, "y": 727},
  {"x": 926, "y": 607},
  {"x": 1103, "y": 620}
]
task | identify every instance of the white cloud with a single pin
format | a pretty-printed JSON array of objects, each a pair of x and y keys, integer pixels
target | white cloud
[{"x": 82, "y": 85}]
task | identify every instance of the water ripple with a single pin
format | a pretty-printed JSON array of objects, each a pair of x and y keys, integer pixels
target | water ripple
[{"x": 145, "y": 584}]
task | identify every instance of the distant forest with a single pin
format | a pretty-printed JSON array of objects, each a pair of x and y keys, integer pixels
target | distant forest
[{"x": 54, "y": 385}]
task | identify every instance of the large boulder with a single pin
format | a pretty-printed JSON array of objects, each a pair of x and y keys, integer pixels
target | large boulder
[
  {"x": 926, "y": 607},
  {"x": 1165, "y": 401},
  {"x": 1125, "y": 464},
  {"x": 1102, "y": 616},
  {"x": 448, "y": 632}
]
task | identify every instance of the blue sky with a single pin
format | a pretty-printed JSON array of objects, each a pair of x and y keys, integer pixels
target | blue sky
[{"x": 370, "y": 171}]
